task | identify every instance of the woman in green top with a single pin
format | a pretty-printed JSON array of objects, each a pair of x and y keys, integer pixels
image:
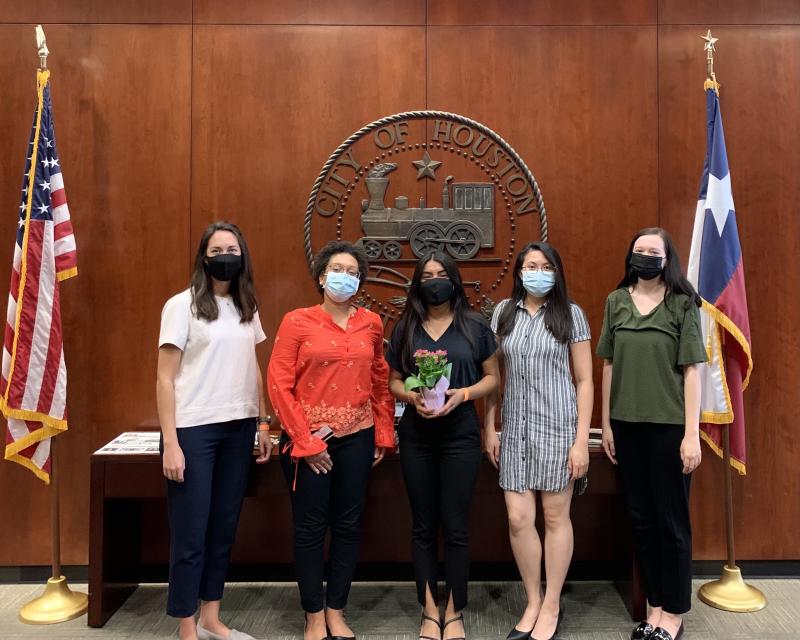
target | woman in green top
[{"x": 651, "y": 344}]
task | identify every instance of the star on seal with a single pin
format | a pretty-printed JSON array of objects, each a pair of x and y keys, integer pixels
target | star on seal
[{"x": 426, "y": 167}]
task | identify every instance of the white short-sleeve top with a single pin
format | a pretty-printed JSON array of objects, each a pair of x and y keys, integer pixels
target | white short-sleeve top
[{"x": 217, "y": 378}]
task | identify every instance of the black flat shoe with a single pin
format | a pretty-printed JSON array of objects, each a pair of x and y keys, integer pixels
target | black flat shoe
[
  {"x": 663, "y": 634},
  {"x": 438, "y": 623},
  {"x": 460, "y": 617},
  {"x": 516, "y": 634},
  {"x": 558, "y": 625},
  {"x": 643, "y": 631}
]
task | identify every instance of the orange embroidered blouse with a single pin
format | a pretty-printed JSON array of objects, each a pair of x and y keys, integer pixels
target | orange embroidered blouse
[{"x": 320, "y": 374}]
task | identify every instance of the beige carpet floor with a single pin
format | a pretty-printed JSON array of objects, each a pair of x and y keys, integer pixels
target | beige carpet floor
[{"x": 388, "y": 611}]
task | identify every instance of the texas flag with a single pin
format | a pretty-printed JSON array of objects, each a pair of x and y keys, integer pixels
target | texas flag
[{"x": 716, "y": 271}]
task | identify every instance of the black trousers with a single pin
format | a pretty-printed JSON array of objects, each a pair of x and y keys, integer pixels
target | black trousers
[
  {"x": 657, "y": 491},
  {"x": 440, "y": 459},
  {"x": 204, "y": 510},
  {"x": 334, "y": 500}
]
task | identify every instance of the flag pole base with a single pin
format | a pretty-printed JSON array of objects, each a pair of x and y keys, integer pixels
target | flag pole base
[
  {"x": 731, "y": 593},
  {"x": 58, "y": 603}
]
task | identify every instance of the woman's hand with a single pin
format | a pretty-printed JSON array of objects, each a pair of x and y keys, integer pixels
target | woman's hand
[
  {"x": 173, "y": 462},
  {"x": 690, "y": 452},
  {"x": 320, "y": 462},
  {"x": 492, "y": 445},
  {"x": 578, "y": 461},
  {"x": 417, "y": 400},
  {"x": 608, "y": 444},
  {"x": 379, "y": 453},
  {"x": 455, "y": 398},
  {"x": 264, "y": 447}
]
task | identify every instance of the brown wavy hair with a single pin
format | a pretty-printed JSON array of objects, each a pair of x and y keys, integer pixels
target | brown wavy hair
[{"x": 243, "y": 291}]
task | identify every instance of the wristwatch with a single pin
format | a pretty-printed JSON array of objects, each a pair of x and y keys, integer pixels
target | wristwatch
[{"x": 267, "y": 420}]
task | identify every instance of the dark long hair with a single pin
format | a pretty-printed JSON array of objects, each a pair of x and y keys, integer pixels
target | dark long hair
[
  {"x": 243, "y": 291},
  {"x": 557, "y": 313},
  {"x": 416, "y": 312},
  {"x": 673, "y": 277}
]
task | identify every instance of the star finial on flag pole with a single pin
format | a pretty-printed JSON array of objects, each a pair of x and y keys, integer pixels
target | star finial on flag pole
[
  {"x": 710, "y": 41},
  {"x": 711, "y": 80}
]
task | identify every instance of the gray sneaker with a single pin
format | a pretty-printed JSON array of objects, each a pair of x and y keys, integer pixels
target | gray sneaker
[{"x": 205, "y": 634}]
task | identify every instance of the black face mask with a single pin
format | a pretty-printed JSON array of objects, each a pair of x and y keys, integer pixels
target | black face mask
[
  {"x": 224, "y": 267},
  {"x": 646, "y": 267},
  {"x": 436, "y": 291}
]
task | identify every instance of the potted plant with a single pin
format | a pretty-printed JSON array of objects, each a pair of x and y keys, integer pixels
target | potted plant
[{"x": 432, "y": 378}]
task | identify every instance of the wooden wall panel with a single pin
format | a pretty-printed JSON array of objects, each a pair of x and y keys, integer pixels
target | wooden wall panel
[
  {"x": 756, "y": 106},
  {"x": 560, "y": 96},
  {"x": 161, "y": 132},
  {"x": 324, "y": 12},
  {"x": 541, "y": 12},
  {"x": 270, "y": 105},
  {"x": 95, "y": 11},
  {"x": 122, "y": 125},
  {"x": 712, "y": 12}
]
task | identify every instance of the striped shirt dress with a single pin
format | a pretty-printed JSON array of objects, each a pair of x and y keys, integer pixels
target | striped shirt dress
[{"x": 539, "y": 411}]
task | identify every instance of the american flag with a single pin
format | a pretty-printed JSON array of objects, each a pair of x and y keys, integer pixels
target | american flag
[
  {"x": 34, "y": 376},
  {"x": 717, "y": 271}
]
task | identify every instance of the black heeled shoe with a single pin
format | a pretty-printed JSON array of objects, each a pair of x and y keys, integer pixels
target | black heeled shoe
[
  {"x": 438, "y": 623},
  {"x": 643, "y": 631},
  {"x": 663, "y": 634},
  {"x": 516, "y": 634},
  {"x": 558, "y": 625},
  {"x": 460, "y": 617}
]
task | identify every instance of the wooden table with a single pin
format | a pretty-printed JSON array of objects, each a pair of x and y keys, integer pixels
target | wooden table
[{"x": 129, "y": 533}]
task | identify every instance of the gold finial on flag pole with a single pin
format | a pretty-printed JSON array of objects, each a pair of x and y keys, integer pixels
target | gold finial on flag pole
[
  {"x": 711, "y": 79},
  {"x": 41, "y": 45}
]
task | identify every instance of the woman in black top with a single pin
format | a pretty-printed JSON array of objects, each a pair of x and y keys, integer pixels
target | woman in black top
[{"x": 440, "y": 450}]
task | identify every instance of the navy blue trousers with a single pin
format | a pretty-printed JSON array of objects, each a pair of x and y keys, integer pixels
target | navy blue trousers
[
  {"x": 204, "y": 510},
  {"x": 332, "y": 500}
]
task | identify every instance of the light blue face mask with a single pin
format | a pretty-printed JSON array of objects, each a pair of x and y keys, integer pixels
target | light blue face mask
[
  {"x": 340, "y": 286},
  {"x": 538, "y": 283}
]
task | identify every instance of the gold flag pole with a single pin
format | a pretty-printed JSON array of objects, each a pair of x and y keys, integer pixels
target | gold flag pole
[
  {"x": 730, "y": 592},
  {"x": 58, "y": 603}
]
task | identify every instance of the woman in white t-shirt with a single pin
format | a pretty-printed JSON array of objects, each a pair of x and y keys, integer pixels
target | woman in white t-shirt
[{"x": 210, "y": 394}]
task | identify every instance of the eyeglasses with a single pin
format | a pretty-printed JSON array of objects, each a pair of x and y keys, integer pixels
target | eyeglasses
[
  {"x": 548, "y": 268},
  {"x": 337, "y": 268}
]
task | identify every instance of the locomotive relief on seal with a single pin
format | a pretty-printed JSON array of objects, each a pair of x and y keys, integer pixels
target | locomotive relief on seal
[{"x": 414, "y": 183}]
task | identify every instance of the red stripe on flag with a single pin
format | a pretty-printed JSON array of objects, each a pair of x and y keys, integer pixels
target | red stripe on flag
[
  {"x": 14, "y": 284},
  {"x": 57, "y": 198},
  {"x": 27, "y": 314},
  {"x": 54, "y": 349},
  {"x": 66, "y": 261},
  {"x": 62, "y": 230},
  {"x": 8, "y": 341}
]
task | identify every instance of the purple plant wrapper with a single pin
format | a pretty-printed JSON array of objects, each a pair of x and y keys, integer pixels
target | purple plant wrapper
[{"x": 435, "y": 398}]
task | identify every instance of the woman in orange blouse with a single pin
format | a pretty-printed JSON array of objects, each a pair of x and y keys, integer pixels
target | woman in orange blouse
[{"x": 328, "y": 382}]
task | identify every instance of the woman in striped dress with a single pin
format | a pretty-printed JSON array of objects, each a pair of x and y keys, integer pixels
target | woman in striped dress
[{"x": 544, "y": 444}]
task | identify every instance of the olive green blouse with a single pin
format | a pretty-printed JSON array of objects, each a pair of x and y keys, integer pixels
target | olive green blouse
[{"x": 648, "y": 353}]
